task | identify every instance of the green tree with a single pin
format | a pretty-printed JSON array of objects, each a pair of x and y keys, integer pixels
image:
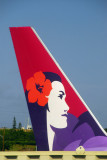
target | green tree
[
  {"x": 14, "y": 123},
  {"x": 16, "y": 137},
  {"x": 20, "y": 125}
]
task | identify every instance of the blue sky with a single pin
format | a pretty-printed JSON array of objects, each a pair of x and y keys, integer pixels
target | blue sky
[{"x": 75, "y": 32}]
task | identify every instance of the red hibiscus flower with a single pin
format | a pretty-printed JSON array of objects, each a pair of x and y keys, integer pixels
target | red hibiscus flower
[{"x": 38, "y": 88}]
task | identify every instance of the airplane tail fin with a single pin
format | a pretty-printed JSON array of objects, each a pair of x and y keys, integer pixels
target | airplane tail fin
[{"x": 39, "y": 70}]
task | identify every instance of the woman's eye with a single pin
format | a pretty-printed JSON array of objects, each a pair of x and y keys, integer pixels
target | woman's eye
[{"x": 61, "y": 96}]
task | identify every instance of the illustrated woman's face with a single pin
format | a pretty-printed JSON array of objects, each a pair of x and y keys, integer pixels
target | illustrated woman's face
[{"x": 57, "y": 106}]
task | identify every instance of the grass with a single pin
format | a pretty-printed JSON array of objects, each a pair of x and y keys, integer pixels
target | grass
[{"x": 17, "y": 147}]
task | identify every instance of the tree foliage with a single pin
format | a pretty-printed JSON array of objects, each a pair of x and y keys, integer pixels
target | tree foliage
[
  {"x": 20, "y": 126},
  {"x": 16, "y": 136},
  {"x": 14, "y": 123}
]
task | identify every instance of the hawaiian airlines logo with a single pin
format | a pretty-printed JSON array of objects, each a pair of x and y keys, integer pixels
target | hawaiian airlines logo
[{"x": 47, "y": 90}]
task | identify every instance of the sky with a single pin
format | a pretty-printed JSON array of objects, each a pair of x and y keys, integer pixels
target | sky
[{"x": 75, "y": 32}]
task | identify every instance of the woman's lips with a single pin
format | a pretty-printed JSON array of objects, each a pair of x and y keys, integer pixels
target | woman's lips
[{"x": 64, "y": 115}]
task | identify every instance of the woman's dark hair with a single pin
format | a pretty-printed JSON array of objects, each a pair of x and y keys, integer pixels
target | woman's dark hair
[
  {"x": 38, "y": 117},
  {"x": 52, "y": 76}
]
